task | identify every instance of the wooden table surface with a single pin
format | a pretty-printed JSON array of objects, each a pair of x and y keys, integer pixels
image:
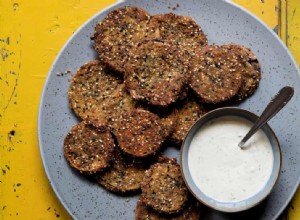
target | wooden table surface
[{"x": 32, "y": 32}]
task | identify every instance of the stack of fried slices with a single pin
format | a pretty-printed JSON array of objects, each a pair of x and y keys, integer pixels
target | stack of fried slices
[{"x": 155, "y": 77}]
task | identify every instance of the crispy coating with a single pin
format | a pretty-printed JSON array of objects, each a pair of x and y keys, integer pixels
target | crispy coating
[
  {"x": 163, "y": 188},
  {"x": 139, "y": 133},
  {"x": 111, "y": 109},
  {"x": 168, "y": 117},
  {"x": 89, "y": 87},
  {"x": 190, "y": 212},
  {"x": 217, "y": 75},
  {"x": 188, "y": 113},
  {"x": 157, "y": 72},
  {"x": 251, "y": 72},
  {"x": 88, "y": 149},
  {"x": 125, "y": 174},
  {"x": 120, "y": 31},
  {"x": 169, "y": 122},
  {"x": 180, "y": 30}
]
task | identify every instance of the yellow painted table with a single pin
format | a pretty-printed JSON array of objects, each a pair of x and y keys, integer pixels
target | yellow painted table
[{"x": 31, "y": 34}]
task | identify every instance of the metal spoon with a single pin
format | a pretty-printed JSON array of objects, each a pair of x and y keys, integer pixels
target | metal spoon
[{"x": 276, "y": 104}]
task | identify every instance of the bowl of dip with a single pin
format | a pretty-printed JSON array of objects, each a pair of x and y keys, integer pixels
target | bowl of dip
[{"x": 222, "y": 175}]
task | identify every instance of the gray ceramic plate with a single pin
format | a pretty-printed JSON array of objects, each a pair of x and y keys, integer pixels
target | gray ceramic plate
[{"x": 223, "y": 22}]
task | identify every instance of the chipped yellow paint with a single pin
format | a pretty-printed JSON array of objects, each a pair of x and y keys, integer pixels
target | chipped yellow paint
[
  {"x": 266, "y": 10},
  {"x": 293, "y": 27},
  {"x": 282, "y": 32},
  {"x": 294, "y": 207},
  {"x": 32, "y": 33}
]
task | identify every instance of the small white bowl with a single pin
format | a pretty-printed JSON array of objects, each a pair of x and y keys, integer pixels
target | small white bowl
[{"x": 252, "y": 200}]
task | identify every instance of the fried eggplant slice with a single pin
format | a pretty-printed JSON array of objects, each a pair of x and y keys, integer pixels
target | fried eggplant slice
[
  {"x": 251, "y": 72},
  {"x": 87, "y": 149},
  {"x": 121, "y": 30},
  {"x": 90, "y": 87},
  {"x": 217, "y": 74},
  {"x": 139, "y": 133},
  {"x": 182, "y": 31},
  {"x": 163, "y": 188},
  {"x": 157, "y": 73}
]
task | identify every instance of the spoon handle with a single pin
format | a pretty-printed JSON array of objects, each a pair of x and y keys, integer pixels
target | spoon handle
[{"x": 276, "y": 104}]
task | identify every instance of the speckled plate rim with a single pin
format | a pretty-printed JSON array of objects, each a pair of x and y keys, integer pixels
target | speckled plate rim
[
  {"x": 228, "y": 206},
  {"x": 71, "y": 38}
]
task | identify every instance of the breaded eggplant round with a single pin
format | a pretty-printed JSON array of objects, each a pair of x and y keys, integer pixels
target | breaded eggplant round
[
  {"x": 217, "y": 74},
  {"x": 157, "y": 73},
  {"x": 120, "y": 31},
  {"x": 125, "y": 174},
  {"x": 251, "y": 72},
  {"x": 111, "y": 109},
  {"x": 182, "y": 31},
  {"x": 188, "y": 112},
  {"x": 88, "y": 149},
  {"x": 90, "y": 86},
  {"x": 163, "y": 188},
  {"x": 139, "y": 133}
]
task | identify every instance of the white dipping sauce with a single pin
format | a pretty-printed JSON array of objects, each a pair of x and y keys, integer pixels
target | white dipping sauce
[{"x": 222, "y": 170}]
